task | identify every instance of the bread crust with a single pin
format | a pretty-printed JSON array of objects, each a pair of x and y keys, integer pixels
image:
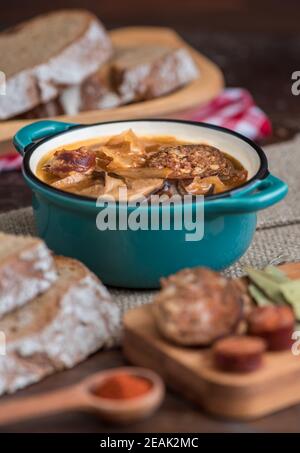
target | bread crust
[{"x": 25, "y": 274}]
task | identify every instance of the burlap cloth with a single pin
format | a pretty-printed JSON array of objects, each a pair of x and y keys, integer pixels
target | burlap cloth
[{"x": 277, "y": 238}]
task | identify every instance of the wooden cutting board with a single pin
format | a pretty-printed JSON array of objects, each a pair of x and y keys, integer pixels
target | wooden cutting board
[
  {"x": 190, "y": 371},
  {"x": 177, "y": 104}
]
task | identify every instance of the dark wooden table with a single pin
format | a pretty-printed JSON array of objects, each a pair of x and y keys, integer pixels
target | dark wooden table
[{"x": 257, "y": 45}]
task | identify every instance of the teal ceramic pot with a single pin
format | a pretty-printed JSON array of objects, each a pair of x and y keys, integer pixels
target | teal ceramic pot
[{"x": 138, "y": 259}]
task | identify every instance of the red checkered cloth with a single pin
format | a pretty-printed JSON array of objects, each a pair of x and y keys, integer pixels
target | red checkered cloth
[
  {"x": 10, "y": 161},
  {"x": 234, "y": 108}
]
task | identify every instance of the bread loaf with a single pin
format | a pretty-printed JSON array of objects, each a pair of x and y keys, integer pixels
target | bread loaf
[
  {"x": 26, "y": 269},
  {"x": 48, "y": 53},
  {"x": 58, "y": 329},
  {"x": 131, "y": 75},
  {"x": 147, "y": 72}
]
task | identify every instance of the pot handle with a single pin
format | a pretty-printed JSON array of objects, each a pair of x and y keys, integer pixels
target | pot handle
[
  {"x": 268, "y": 191},
  {"x": 36, "y": 131}
]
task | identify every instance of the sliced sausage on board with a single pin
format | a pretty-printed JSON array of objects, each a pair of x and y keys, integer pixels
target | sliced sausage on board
[
  {"x": 275, "y": 324},
  {"x": 238, "y": 353}
]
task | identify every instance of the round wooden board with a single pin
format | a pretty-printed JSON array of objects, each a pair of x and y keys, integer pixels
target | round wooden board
[{"x": 201, "y": 90}]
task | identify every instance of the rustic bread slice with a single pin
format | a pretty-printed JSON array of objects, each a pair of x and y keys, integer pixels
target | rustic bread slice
[
  {"x": 132, "y": 75},
  {"x": 27, "y": 269},
  {"x": 58, "y": 329},
  {"x": 46, "y": 53},
  {"x": 92, "y": 94},
  {"x": 146, "y": 72},
  {"x": 97, "y": 92}
]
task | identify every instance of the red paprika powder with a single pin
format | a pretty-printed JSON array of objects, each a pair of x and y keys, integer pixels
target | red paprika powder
[{"x": 123, "y": 386}]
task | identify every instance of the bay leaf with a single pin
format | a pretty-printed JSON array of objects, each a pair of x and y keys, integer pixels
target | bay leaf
[
  {"x": 258, "y": 296},
  {"x": 291, "y": 293},
  {"x": 266, "y": 284},
  {"x": 276, "y": 274}
]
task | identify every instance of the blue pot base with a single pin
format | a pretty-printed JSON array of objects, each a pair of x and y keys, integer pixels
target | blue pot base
[{"x": 138, "y": 259}]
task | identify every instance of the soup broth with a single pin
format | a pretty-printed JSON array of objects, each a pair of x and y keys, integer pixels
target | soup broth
[{"x": 141, "y": 165}]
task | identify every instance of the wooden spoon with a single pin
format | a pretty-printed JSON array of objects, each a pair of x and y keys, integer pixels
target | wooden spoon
[{"x": 81, "y": 396}]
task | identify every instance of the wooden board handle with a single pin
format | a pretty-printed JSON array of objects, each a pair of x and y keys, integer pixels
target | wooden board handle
[{"x": 47, "y": 403}]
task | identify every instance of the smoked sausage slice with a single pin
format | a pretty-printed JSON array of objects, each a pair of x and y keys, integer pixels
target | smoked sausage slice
[
  {"x": 188, "y": 161},
  {"x": 273, "y": 323},
  {"x": 240, "y": 354}
]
